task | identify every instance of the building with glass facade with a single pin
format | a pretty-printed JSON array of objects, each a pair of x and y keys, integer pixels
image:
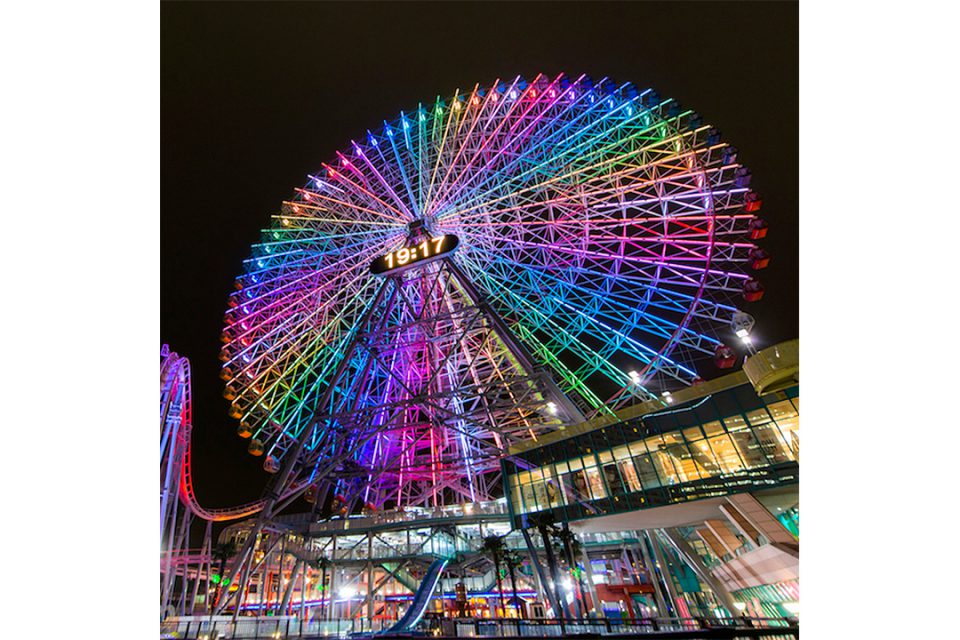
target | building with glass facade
[{"x": 709, "y": 475}]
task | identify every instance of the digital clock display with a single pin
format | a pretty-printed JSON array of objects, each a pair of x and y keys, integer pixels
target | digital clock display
[{"x": 428, "y": 249}]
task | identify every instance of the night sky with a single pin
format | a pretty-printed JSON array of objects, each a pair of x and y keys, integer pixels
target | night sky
[{"x": 254, "y": 96}]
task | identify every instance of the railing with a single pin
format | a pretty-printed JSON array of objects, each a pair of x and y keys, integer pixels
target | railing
[
  {"x": 654, "y": 627},
  {"x": 284, "y": 627},
  {"x": 411, "y": 515}
]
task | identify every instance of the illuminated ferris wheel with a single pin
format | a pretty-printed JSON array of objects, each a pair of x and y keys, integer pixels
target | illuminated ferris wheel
[{"x": 485, "y": 269}]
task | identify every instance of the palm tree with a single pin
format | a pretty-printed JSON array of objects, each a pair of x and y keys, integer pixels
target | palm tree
[
  {"x": 543, "y": 522},
  {"x": 514, "y": 561},
  {"x": 572, "y": 549},
  {"x": 495, "y": 549},
  {"x": 222, "y": 551},
  {"x": 322, "y": 564}
]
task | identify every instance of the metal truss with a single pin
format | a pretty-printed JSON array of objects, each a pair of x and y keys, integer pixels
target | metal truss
[{"x": 603, "y": 231}]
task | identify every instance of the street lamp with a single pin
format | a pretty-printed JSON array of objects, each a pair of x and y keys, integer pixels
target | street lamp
[{"x": 741, "y": 324}]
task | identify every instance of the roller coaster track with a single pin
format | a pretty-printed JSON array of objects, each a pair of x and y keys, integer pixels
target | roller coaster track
[{"x": 175, "y": 396}]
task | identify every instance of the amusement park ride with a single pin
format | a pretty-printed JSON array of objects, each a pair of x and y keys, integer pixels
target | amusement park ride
[{"x": 484, "y": 270}]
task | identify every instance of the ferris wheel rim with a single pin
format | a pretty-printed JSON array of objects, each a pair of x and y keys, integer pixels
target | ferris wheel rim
[{"x": 383, "y": 224}]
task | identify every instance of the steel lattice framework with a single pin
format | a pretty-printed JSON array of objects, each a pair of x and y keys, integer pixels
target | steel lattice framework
[{"x": 604, "y": 238}]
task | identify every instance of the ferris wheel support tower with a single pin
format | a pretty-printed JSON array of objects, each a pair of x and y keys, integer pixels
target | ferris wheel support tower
[{"x": 514, "y": 400}]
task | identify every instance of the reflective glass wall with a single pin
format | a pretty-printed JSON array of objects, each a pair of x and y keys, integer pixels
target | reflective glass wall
[{"x": 724, "y": 443}]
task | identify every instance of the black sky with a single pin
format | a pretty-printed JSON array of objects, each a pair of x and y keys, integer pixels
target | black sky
[{"x": 254, "y": 96}]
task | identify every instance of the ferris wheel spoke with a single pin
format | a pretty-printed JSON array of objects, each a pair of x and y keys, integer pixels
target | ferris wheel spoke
[
  {"x": 266, "y": 301},
  {"x": 563, "y": 339},
  {"x": 600, "y": 229},
  {"x": 404, "y": 210},
  {"x": 631, "y": 315},
  {"x": 597, "y": 189},
  {"x": 528, "y": 107},
  {"x": 340, "y": 177},
  {"x": 381, "y": 180},
  {"x": 544, "y": 142},
  {"x": 339, "y": 205},
  {"x": 685, "y": 272},
  {"x": 441, "y": 149},
  {"x": 577, "y": 152},
  {"x": 400, "y": 164},
  {"x": 293, "y": 325},
  {"x": 634, "y": 309}
]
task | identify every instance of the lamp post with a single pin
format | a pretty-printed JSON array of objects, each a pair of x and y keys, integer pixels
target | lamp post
[{"x": 742, "y": 324}]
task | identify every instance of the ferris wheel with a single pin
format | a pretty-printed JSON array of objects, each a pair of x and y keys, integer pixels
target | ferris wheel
[{"x": 487, "y": 268}]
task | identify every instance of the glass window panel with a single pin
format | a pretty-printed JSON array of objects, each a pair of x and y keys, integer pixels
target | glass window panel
[
  {"x": 672, "y": 438},
  {"x": 692, "y": 434},
  {"x": 760, "y": 416},
  {"x": 614, "y": 482},
  {"x": 664, "y": 466},
  {"x": 782, "y": 409},
  {"x": 606, "y": 457},
  {"x": 541, "y": 494},
  {"x": 726, "y": 453},
  {"x": 575, "y": 465},
  {"x": 622, "y": 452},
  {"x": 515, "y": 499},
  {"x": 596, "y": 483},
  {"x": 581, "y": 488},
  {"x": 529, "y": 502},
  {"x": 772, "y": 443},
  {"x": 735, "y": 423},
  {"x": 567, "y": 486},
  {"x": 683, "y": 463},
  {"x": 552, "y": 493},
  {"x": 653, "y": 443},
  {"x": 749, "y": 449},
  {"x": 647, "y": 472},
  {"x": 705, "y": 459},
  {"x": 789, "y": 425},
  {"x": 713, "y": 428},
  {"x": 562, "y": 467},
  {"x": 637, "y": 448},
  {"x": 629, "y": 474}
]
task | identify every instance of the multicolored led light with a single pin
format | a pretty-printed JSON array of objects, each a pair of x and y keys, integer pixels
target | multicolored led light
[{"x": 609, "y": 228}]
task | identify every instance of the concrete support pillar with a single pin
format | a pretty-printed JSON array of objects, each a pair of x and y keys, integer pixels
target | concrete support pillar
[
  {"x": 591, "y": 585},
  {"x": 289, "y": 592},
  {"x": 303, "y": 596},
  {"x": 370, "y": 587},
  {"x": 331, "y": 594}
]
